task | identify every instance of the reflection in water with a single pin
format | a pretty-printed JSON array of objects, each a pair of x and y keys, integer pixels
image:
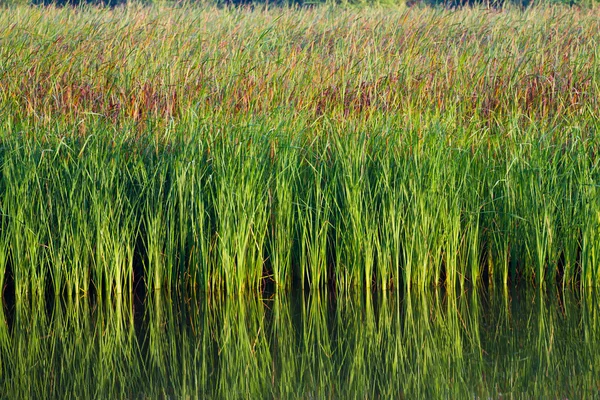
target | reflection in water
[{"x": 518, "y": 344}]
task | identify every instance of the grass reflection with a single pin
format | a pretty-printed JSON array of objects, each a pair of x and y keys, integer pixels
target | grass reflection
[{"x": 434, "y": 345}]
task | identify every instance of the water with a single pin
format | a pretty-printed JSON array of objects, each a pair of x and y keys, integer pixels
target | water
[{"x": 520, "y": 344}]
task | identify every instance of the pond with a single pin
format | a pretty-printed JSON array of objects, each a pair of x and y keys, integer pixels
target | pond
[{"x": 493, "y": 344}]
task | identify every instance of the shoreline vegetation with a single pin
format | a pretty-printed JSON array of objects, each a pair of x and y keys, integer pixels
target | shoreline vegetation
[{"x": 228, "y": 149}]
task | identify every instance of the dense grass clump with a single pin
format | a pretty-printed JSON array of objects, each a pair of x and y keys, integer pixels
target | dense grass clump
[{"x": 227, "y": 149}]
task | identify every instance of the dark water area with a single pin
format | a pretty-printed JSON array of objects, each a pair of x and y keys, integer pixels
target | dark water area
[{"x": 513, "y": 344}]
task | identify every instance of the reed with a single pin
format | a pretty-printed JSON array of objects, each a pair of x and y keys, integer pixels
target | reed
[{"x": 224, "y": 149}]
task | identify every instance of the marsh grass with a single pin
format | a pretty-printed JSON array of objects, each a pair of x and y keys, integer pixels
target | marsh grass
[{"x": 222, "y": 149}]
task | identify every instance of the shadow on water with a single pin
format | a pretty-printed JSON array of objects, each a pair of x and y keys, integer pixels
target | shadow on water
[{"x": 488, "y": 345}]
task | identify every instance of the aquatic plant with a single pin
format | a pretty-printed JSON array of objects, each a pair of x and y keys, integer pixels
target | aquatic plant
[{"x": 219, "y": 149}]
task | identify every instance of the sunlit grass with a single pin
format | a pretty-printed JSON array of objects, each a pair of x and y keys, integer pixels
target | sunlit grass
[{"x": 223, "y": 149}]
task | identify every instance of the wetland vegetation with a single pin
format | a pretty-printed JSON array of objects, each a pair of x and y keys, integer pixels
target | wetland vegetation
[
  {"x": 327, "y": 201},
  {"x": 225, "y": 149}
]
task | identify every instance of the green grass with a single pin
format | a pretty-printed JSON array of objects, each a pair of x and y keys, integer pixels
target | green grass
[{"x": 222, "y": 149}]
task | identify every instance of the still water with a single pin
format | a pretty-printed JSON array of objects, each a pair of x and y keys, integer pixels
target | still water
[{"x": 519, "y": 344}]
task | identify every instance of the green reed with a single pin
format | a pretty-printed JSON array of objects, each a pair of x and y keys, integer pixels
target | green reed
[
  {"x": 281, "y": 206},
  {"x": 217, "y": 212},
  {"x": 198, "y": 148}
]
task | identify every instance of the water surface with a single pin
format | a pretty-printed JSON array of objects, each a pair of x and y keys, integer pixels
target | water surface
[{"x": 519, "y": 344}]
